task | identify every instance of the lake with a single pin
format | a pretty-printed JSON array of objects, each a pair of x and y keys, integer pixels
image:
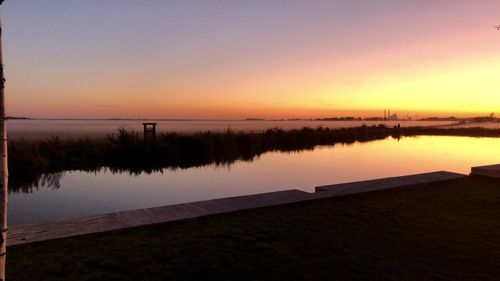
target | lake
[
  {"x": 37, "y": 129},
  {"x": 75, "y": 194}
]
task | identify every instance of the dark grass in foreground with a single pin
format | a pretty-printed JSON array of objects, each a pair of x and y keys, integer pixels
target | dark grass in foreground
[{"x": 441, "y": 231}]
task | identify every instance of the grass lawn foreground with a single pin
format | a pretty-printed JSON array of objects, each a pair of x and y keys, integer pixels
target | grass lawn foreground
[{"x": 439, "y": 231}]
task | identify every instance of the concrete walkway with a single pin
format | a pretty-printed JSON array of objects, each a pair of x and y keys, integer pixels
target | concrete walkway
[
  {"x": 22, "y": 234},
  {"x": 386, "y": 183}
]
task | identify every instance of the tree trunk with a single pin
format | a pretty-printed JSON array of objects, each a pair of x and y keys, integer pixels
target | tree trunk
[{"x": 4, "y": 175}]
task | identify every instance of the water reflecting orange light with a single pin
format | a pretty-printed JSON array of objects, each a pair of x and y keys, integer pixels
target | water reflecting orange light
[{"x": 83, "y": 193}]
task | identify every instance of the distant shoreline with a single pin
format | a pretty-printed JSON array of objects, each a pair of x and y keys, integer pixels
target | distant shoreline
[{"x": 330, "y": 119}]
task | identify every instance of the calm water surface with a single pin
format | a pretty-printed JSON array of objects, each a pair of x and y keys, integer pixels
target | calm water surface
[{"x": 80, "y": 193}]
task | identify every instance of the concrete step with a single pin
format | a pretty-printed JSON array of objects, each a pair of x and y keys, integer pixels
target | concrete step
[{"x": 492, "y": 171}]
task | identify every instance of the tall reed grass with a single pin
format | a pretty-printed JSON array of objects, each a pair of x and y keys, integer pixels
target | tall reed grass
[{"x": 126, "y": 150}]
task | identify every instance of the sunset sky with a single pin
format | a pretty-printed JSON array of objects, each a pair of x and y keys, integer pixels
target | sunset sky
[{"x": 262, "y": 58}]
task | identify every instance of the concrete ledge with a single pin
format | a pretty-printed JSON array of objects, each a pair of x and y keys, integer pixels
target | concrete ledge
[
  {"x": 22, "y": 234},
  {"x": 492, "y": 171},
  {"x": 385, "y": 183}
]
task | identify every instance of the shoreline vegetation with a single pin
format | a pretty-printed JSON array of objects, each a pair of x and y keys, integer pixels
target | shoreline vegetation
[{"x": 38, "y": 162}]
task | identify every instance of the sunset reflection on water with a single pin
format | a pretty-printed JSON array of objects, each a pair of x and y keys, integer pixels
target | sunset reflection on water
[{"x": 81, "y": 193}]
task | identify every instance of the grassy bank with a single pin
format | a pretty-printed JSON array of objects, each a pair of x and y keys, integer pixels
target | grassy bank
[
  {"x": 441, "y": 231},
  {"x": 127, "y": 151}
]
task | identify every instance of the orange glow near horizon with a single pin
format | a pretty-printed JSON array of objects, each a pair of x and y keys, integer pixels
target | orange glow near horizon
[
  {"x": 429, "y": 59},
  {"x": 467, "y": 88}
]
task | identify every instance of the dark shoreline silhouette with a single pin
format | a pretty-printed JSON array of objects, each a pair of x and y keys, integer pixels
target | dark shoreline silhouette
[{"x": 35, "y": 163}]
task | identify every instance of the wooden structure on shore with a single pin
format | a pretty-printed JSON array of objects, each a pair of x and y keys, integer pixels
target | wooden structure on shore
[{"x": 149, "y": 131}]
